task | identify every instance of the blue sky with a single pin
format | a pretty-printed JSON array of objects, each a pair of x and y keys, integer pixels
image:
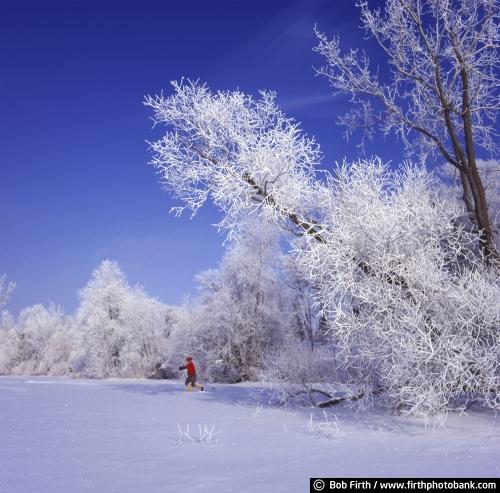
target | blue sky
[{"x": 75, "y": 183}]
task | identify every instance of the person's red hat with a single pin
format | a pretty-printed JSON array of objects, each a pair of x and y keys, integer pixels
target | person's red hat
[{"x": 189, "y": 357}]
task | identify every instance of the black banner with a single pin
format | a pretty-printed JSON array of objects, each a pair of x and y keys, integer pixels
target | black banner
[{"x": 422, "y": 484}]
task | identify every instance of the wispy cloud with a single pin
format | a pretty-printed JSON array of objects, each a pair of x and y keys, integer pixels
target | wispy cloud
[{"x": 305, "y": 102}]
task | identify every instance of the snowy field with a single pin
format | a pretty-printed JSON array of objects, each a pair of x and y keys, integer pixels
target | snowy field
[{"x": 63, "y": 435}]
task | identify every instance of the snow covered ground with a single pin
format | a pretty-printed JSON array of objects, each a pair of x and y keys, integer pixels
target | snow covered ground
[{"x": 64, "y": 435}]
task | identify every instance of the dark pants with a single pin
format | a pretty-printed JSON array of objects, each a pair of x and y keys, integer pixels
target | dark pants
[{"x": 191, "y": 379}]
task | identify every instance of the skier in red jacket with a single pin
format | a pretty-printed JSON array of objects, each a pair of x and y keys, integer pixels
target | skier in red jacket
[{"x": 191, "y": 378}]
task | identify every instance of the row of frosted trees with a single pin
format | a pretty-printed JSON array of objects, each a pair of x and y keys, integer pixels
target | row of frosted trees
[
  {"x": 249, "y": 307},
  {"x": 117, "y": 331}
]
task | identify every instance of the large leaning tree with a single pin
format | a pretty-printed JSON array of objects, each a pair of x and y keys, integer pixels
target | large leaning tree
[
  {"x": 409, "y": 302},
  {"x": 442, "y": 94}
]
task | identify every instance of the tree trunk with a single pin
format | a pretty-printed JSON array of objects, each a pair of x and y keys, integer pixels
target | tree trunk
[
  {"x": 481, "y": 213},
  {"x": 476, "y": 185}
]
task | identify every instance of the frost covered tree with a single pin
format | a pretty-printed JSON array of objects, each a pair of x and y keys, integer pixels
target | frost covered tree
[
  {"x": 242, "y": 153},
  {"x": 412, "y": 306},
  {"x": 8, "y": 336},
  {"x": 123, "y": 331},
  {"x": 45, "y": 340},
  {"x": 420, "y": 321},
  {"x": 148, "y": 324},
  {"x": 99, "y": 315},
  {"x": 307, "y": 314},
  {"x": 442, "y": 93},
  {"x": 38, "y": 342},
  {"x": 9, "y": 342},
  {"x": 244, "y": 310},
  {"x": 6, "y": 289}
]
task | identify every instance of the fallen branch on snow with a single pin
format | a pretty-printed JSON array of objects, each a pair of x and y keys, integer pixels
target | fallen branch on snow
[{"x": 352, "y": 398}]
